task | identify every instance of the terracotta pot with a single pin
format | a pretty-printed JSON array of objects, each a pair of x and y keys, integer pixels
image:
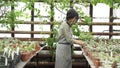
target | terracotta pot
[
  {"x": 34, "y": 52},
  {"x": 37, "y": 47},
  {"x": 114, "y": 65},
  {"x": 25, "y": 55},
  {"x": 85, "y": 49},
  {"x": 97, "y": 62},
  {"x": 89, "y": 54}
]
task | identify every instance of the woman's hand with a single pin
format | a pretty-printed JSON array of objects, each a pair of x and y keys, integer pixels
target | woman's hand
[{"x": 80, "y": 42}]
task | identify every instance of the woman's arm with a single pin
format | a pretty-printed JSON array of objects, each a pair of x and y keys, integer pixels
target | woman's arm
[{"x": 80, "y": 42}]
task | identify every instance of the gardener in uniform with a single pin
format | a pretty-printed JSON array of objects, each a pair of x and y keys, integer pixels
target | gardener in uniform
[{"x": 65, "y": 41}]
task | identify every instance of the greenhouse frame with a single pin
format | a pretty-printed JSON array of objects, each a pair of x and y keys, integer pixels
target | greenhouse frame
[{"x": 29, "y": 33}]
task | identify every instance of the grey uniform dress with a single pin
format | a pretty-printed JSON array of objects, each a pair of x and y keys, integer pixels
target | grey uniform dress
[{"x": 63, "y": 50}]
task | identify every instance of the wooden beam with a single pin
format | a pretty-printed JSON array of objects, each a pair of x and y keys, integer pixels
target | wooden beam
[
  {"x": 76, "y": 48},
  {"x": 52, "y": 64},
  {"x": 26, "y": 32},
  {"x": 101, "y": 33},
  {"x": 102, "y": 23},
  {"x": 30, "y": 39},
  {"x": 80, "y": 23},
  {"x": 35, "y": 22}
]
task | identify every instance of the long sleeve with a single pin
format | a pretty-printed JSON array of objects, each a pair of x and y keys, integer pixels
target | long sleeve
[
  {"x": 68, "y": 34},
  {"x": 65, "y": 34}
]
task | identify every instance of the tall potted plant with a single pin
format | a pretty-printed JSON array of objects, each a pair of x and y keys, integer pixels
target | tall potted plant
[{"x": 52, "y": 41}]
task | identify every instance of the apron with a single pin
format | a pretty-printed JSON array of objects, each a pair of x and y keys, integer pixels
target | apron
[{"x": 63, "y": 56}]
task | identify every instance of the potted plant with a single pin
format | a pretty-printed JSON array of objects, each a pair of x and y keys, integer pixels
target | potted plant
[
  {"x": 27, "y": 50},
  {"x": 52, "y": 41}
]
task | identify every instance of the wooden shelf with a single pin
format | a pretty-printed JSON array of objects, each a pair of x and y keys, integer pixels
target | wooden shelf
[{"x": 50, "y": 56}]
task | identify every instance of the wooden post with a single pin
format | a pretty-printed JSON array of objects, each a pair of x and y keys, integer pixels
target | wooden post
[
  {"x": 111, "y": 21},
  {"x": 12, "y": 8},
  {"x": 91, "y": 15},
  {"x": 52, "y": 18},
  {"x": 32, "y": 19}
]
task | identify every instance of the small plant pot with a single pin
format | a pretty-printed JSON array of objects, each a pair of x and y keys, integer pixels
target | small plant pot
[
  {"x": 17, "y": 58},
  {"x": 12, "y": 64},
  {"x": 42, "y": 44},
  {"x": 2, "y": 59},
  {"x": 85, "y": 49},
  {"x": 97, "y": 62},
  {"x": 114, "y": 65},
  {"x": 1, "y": 52},
  {"x": 33, "y": 52},
  {"x": 9, "y": 60},
  {"x": 37, "y": 47},
  {"x": 25, "y": 55},
  {"x": 89, "y": 54}
]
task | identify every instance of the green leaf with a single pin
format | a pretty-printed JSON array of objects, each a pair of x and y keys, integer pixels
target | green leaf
[
  {"x": 75, "y": 30},
  {"x": 88, "y": 20}
]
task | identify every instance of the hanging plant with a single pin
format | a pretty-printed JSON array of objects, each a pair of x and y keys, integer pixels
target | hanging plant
[{"x": 9, "y": 18}]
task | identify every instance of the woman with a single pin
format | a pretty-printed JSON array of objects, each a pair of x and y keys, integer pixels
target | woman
[{"x": 65, "y": 41}]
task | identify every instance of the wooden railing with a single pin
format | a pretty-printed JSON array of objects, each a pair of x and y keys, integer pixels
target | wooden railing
[{"x": 50, "y": 32}]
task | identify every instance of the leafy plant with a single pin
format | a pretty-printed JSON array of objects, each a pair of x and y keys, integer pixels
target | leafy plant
[
  {"x": 76, "y": 31},
  {"x": 9, "y": 18},
  {"x": 81, "y": 34},
  {"x": 87, "y": 20},
  {"x": 85, "y": 36},
  {"x": 52, "y": 41}
]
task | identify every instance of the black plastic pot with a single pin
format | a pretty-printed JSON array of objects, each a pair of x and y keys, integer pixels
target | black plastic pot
[
  {"x": 17, "y": 58},
  {"x": 1, "y": 52},
  {"x": 12, "y": 64},
  {"x": 2, "y": 59},
  {"x": 42, "y": 44}
]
